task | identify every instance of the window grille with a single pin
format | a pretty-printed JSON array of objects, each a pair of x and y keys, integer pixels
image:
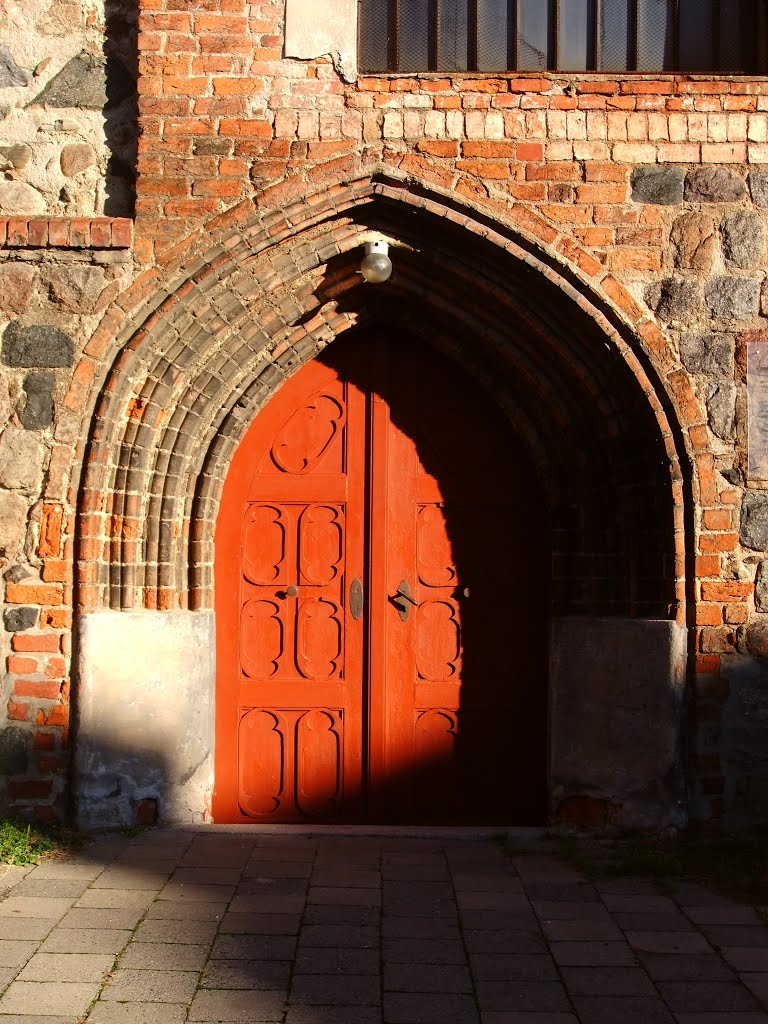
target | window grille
[{"x": 487, "y": 36}]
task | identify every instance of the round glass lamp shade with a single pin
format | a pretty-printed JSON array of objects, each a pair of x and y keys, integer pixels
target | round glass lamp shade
[{"x": 376, "y": 266}]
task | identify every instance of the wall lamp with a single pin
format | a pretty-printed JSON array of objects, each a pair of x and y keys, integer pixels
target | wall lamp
[{"x": 376, "y": 266}]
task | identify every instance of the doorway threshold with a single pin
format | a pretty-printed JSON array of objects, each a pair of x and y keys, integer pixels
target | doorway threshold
[{"x": 515, "y": 834}]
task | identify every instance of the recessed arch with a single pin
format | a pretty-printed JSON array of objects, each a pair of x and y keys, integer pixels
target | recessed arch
[{"x": 188, "y": 380}]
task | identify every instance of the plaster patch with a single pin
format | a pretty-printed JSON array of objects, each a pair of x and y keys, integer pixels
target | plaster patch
[
  {"x": 145, "y": 716},
  {"x": 318, "y": 30}
]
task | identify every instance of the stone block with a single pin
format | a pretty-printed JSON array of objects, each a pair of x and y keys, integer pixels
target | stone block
[
  {"x": 17, "y": 619},
  {"x": 714, "y": 185},
  {"x": 38, "y": 345},
  {"x": 758, "y": 186},
  {"x": 660, "y": 185},
  {"x": 733, "y": 298},
  {"x": 15, "y": 157},
  {"x": 744, "y": 239},
  {"x": 76, "y": 158},
  {"x": 694, "y": 240},
  {"x": 15, "y": 749},
  {"x": 720, "y": 398},
  {"x": 13, "y": 528},
  {"x": 676, "y": 299},
  {"x": 707, "y": 352},
  {"x": 617, "y": 695},
  {"x": 76, "y": 289},
  {"x": 11, "y": 75},
  {"x": 21, "y": 461},
  {"x": 80, "y": 83},
  {"x": 17, "y": 286},
  {"x": 753, "y": 531},
  {"x": 761, "y": 586},
  {"x": 17, "y": 197},
  {"x": 37, "y": 412}
]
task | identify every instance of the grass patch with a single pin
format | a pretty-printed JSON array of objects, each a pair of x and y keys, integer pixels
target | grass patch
[
  {"x": 23, "y": 844},
  {"x": 736, "y": 865}
]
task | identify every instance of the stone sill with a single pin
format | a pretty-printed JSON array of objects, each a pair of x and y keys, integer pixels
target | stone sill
[
  {"x": 572, "y": 77},
  {"x": 66, "y": 232}
]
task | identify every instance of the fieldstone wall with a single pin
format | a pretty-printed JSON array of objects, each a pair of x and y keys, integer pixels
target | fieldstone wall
[
  {"x": 67, "y": 108},
  {"x": 648, "y": 194}
]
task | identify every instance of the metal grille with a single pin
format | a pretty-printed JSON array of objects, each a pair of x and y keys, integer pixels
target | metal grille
[{"x": 725, "y": 36}]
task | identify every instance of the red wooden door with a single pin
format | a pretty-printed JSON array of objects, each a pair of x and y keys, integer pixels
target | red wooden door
[{"x": 380, "y": 617}]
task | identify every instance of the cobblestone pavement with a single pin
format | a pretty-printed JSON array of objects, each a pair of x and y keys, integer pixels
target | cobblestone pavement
[{"x": 255, "y": 927}]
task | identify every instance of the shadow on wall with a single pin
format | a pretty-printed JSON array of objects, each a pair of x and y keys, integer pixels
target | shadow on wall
[{"x": 121, "y": 111}]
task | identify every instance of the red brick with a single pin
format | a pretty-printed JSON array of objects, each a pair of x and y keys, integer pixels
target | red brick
[
  {"x": 33, "y": 689},
  {"x": 18, "y": 712},
  {"x": 20, "y": 665},
  {"x": 34, "y": 593},
  {"x": 35, "y": 642},
  {"x": 728, "y": 590}
]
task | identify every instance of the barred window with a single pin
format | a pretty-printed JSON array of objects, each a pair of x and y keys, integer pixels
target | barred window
[{"x": 724, "y": 36}]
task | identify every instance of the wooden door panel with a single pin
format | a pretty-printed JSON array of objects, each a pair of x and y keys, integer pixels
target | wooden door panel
[
  {"x": 434, "y": 707},
  {"x": 289, "y": 541}
]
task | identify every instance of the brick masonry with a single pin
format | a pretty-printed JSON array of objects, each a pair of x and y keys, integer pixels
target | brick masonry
[{"x": 626, "y": 214}]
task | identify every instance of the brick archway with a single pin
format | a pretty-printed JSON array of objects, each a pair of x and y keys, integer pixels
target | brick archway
[
  {"x": 191, "y": 374},
  {"x": 582, "y": 373}
]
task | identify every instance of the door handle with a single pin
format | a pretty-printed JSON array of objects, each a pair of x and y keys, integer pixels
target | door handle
[{"x": 402, "y": 600}]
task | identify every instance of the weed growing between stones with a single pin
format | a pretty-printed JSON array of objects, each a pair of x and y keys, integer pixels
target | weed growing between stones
[{"x": 22, "y": 843}]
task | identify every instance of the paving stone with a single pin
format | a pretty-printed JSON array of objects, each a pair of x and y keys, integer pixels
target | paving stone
[
  {"x": 164, "y": 956},
  {"x": 706, "y": 996},
  {"x": 419, "y": 977},
  {"x": 250, "y": 974},
  {"x": 188, "y": 932},
  {"x": 151, "y": 986},
  {"x": 77, "y": 967},
  {"x": 493, "y": 1017},
  {"x": 27, "y": 927},
  {"x": 722, "y": 1018},
  {"x": 503, "y": 967},
  {"x": 327, "y": 989},
  {"x": 346, "y": 879},
  {"x": 560, "y": 930},
  {"x": 268, "y": 903},
  {"x": 338, "y": 935},
  {"x": 757, "y": 984},
  {"x": 81, "y": 917},
  {"x": 423, "y": 908},
  {"x": 491, "y": 881},
  {"x": 47, "y": 999},
  {"x": 121, "y": 877},
  {"x": 323, "y": 913},
  {"x": 638, "y": 903},
  {"x": 745, "y": 958},
  {"x": 209, "y": 852},
  {"x": 206, "y": 876},
  {"x": 137, "y": 1013},
  {"x": 335, "y": 895},
  {"x": 254, "y": 947},
  {"x": 116, "y": 899},
  {"x": 85, "y": 870},
  {"x": 663, "y": 967},
  {"x": 607, "y": 981},
  {"x": 529, "y": 996},
  {"x": 494, "y": 940},
  {"x": 668, "y": 942},
  {"x": 86, "y": 940},
  {"x": 237, "y": 1006},
  {"x": 278, "y": 869},
  {"x": 736, "y": 914},
  {"x": 424, "y": 951},
  {"x": 195, "y": 893},
  {"x": 323, "y": 960},
  {"x": 14, "y": 953},
  {"x": 260, "y": 924},
  {"x": 335, "y": 1015},
  {"x": 736, "y": 935},
  {"x": 653, "y": 922},
  {"x": 56, "y": 887},
  {"x": 272, "y": 887},
  {"x": 413, "y": 1008},
  {"x": 592, "y": 954},
  {"x": 553, "y": 910},
  {"x": 49, "y": 907},
  {"x": 627, "y": 1009},
  {"x": 7, "y": 974},
  {"x": 30, "y": 1018},
  {"x": 495, "y": 901},
  {"x": 177, "y": 910}
]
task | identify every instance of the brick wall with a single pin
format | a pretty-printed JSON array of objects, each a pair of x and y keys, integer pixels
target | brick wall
[{"x": 642, "y": 200}]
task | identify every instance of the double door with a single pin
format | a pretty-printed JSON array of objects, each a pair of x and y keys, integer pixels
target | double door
[{"x": 380, "y": 603}]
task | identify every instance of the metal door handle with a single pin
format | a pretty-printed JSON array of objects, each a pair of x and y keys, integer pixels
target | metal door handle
[{"x": 402, "y": 600}]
